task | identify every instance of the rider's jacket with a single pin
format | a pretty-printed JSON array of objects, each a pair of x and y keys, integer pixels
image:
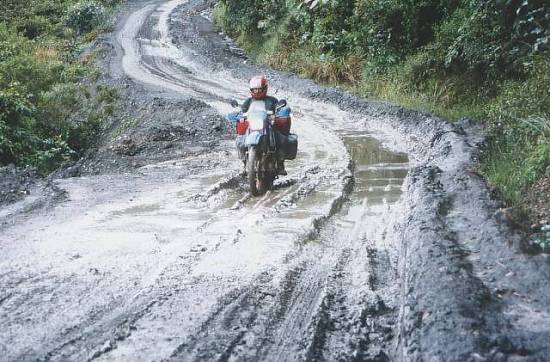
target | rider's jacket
[{"x": 269, "y": 102}]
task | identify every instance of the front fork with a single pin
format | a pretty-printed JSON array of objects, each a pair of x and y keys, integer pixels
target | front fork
[{"x": 264, "y": 149}]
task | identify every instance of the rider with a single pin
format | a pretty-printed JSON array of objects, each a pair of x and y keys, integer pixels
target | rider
[{"x": 259, "y": 98}]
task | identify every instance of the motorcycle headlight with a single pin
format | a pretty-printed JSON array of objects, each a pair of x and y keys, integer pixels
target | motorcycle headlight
[{"x": 256, "y": 120}]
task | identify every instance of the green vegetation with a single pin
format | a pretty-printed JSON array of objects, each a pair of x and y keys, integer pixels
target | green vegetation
[
  {"x": 485, "y": 60},
  {"x": 51, "y": 109}
]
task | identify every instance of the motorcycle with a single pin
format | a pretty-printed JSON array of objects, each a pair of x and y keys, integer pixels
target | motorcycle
[{"x": 257, "y": 143}]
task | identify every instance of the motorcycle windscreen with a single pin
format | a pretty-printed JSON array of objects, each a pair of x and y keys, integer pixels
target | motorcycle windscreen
[
  {"x": 256, "y": 120},
  {"x": 253, "y": 138}
]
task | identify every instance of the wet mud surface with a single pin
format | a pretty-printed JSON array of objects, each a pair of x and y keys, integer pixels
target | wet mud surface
[{"x": 380, "y": 244}]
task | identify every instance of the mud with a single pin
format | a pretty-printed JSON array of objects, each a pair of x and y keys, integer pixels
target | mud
[
  {"x": 380, "y": 244},
  {"x": 25, "y": 190},
  {"x": 16, "y": 183}
]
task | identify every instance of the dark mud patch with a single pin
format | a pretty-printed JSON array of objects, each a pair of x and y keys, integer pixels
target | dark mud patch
[
  {"x": 190, "y": 24},
  {"x": 16, "y": 183},
  {"x": 24, "y": 190},
  {"x": 150, "y": 129}
]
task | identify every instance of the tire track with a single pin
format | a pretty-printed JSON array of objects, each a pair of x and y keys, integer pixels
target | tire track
[{"x": 200, "y": 262}]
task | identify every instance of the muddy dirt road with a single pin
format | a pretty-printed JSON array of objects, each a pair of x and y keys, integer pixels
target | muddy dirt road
[{"x": 380, "y": 244}]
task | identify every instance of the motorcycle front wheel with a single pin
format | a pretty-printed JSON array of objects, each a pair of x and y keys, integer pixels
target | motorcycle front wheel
[{"x": 259, "y": 184}]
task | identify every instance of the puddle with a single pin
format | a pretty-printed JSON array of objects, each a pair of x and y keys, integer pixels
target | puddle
[
  {"x": 379, "y": 172},
  {"x": 139, "y": 210}
]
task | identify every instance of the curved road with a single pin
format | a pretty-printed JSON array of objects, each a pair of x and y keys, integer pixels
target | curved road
[
  {"x": 380, "y": 244},
  {"x": 155, "y": 265}
]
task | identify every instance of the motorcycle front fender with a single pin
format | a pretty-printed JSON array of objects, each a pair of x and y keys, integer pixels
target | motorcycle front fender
[{"x": 252, "y": 139}]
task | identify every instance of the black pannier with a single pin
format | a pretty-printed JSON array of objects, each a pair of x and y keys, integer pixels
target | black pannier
[{"x": 291, "y": 147}]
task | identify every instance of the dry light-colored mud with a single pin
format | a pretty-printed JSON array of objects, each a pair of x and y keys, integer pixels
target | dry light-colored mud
[{"x": 380, "y": 244}]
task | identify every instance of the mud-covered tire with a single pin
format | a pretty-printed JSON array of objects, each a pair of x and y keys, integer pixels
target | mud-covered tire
[
  {"x": 258, "y": 185},
  {"x": 266, "y": 183},
  {"x": 252, "y": 172}
]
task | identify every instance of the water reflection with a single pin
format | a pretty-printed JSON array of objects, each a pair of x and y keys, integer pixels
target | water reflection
[{"x": 379, "y": 173}]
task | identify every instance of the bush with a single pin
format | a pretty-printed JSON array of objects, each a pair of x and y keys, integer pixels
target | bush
[
  {"x": 47, "y": 115},
  {"x": 84, "y": 16},
  {"x": 519, "y": 143},
  {"x": 17, "y": 136}
]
